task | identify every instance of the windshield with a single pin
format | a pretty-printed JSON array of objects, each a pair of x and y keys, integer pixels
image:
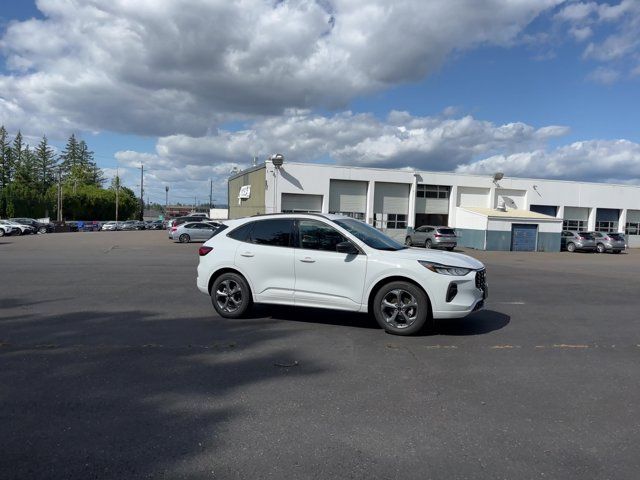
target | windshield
[{"x": 369, "y": 235}]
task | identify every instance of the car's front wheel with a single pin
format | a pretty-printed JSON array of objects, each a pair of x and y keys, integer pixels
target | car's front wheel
[
  {"x": 401, "y": 308},
  {"x": 428, "y": 244},
  {"x": 600, "y": 248},
  {"x": 408, "y": 242},
  {"x": 184, "y": 238},
  {"x": 571, "y": 247},
  {"x": 1, "y": 232},
  {"x": 230, "y": 295}
]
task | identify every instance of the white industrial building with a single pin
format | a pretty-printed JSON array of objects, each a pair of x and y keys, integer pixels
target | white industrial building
[{"x": 487, "y": 213}]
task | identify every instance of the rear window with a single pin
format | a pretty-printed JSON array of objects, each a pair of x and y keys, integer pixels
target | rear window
[
  {"x": 616, "y": 236},
  {"x": 447, "y": 231},
  {"x": 276, "y": 233},
  {"x": 587, "y": 236}
]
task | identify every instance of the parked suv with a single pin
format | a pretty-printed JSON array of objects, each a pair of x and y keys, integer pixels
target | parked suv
[
  {"x": 38, "y": 226},
  {"x": 336, "y": 262},
  {"x": 431, "y": 236},
  {"x": 609, "y": 242},
  {"x": 572, "y": 241}
]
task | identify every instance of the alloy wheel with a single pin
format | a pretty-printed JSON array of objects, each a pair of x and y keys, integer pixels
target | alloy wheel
[
  {"x": 229, "y": 296},
  {"x": 399, "y": 308}
]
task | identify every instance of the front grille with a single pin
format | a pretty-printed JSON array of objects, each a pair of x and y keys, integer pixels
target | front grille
[{"x": 481, "y": 279}]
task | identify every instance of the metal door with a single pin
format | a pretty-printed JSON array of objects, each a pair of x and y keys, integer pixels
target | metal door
[{"x": 524, "y": 237}]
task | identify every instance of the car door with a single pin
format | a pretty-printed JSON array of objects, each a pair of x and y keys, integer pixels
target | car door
[
  {"x": 203, "y": 232},
  {"x": 266, "y": 258},
  {"x": 419, "y": 236},
  {"x": 324, "y": 277}
]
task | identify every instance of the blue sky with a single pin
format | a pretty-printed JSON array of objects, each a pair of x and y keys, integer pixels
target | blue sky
[{"x": 535, "y": 87}]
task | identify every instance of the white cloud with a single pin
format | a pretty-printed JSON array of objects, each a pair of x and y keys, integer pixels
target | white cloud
[
  {"x": 160, "y": 68},
  {"x": 604, "y": 75},
  {"x": 401, "y": 140},
  {"x": 596, "y": 160}
]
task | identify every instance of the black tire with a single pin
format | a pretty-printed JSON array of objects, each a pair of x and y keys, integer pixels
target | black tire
[
  {"x": 411, "y": 304},
  {"x": 1, "y": 232},
  {"x": 42, "y": 230},
  {"x": 408, "y": 242},
  {"x": 571, "y": 247},
  {"x": 184, "y": 238},
  {"x": 231, "y": 295},
  {"x": 450, "y": 248},
  {"x": 600, "y": 248},
  {"x": 18, "y": 232},
  {"x": 428, "y": 244}
]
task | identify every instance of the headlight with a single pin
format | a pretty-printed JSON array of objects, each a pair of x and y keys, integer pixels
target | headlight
[{"x": 445, "y": 269}]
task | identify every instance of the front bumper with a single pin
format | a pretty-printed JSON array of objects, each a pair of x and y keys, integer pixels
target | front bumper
[{"x": 472, "y": 291}]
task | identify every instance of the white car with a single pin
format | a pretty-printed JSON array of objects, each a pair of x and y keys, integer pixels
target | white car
[
  {"x": 111, "y": 226},
  {"x": 336, "y": 262},
  {"x": 18, "y": 228}
]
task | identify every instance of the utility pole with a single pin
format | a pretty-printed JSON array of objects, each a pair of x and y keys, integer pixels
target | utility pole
[
  {"x": 210, "y": 193},
  {"x": 166, "y": 199},
  {"x": 141, "y": 192},
  {"x": 59, "y": 206},
  {"x": 117, "y": 192}
]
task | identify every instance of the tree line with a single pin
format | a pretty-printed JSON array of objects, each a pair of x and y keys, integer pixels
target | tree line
[{"x": 30, "y": 180}]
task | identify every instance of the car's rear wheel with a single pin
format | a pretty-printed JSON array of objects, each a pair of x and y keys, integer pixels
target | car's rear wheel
[
  {"x": 230, "y": 295},
  {"x": 42, "y": 230},
  {"x": 571, "y": 247},
  {"x": 1, "y": 232},
  {"x": 184, "y": 238},
  {"x": 428, "y": 244},
  {"x": 450, "y": 249},
  {"x": 600, "y": 248},
  {"x": 401, "y": 308},
  {"x": 408, "y": 242}
]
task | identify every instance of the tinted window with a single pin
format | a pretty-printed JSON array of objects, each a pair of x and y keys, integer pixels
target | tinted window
[
  {"x": 616, "y": 236},
  {"x": 242, "y": 232},
  {"x": 314, "y": 235},
  {"x": 191, "y": 225},
  {"x": 369, "y": 235},
  {"x": 447, "y": 231},
  {"x": 421, "y": 229},
  {"x": 272, "y": 232}
]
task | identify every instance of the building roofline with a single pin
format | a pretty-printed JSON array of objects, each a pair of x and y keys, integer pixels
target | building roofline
[
  {"x": 471, "y": 175},
  {"x": 248, "y": 170}
]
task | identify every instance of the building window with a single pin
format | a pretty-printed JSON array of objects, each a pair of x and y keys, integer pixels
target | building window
[
  {"x": 433, "y": 191},
  {"x": 299, "y": 211},
  {"x": 607, "y": 227},
  {"x": 356, "y": 215},
  {"x": 579, "y": 225},
  {"x": 390, "y": 220},
  {"x": 632, "y": 228}
]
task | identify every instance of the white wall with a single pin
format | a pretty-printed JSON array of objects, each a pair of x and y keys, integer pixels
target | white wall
[
  {"x": 505, "y": 224},
  {"x": 315, "y": 179}
]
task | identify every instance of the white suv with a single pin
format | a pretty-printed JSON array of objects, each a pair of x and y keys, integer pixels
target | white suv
[{"x": 336, "y": 262}]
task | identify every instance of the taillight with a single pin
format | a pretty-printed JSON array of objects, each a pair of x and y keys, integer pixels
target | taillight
[
  {"x": 173, "y": 229},
  {"x": 437, "y": 235},
  {"x": 203, "y": 250}
]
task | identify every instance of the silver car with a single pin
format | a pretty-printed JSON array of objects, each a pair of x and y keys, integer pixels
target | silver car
[
  {"x": 192, "y": 231},
  {"x": 431, "y": 236},
  {"x": 609, "y": 242},
  {"x": 573, "y": 241}
]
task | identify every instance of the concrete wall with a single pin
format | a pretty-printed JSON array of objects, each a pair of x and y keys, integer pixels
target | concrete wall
[
  {"x": 253, "y": 205},
  {"x": 471, "y": 238},
  {"x": 548, "y": 242},
  {"x": 499, "y": 240}
]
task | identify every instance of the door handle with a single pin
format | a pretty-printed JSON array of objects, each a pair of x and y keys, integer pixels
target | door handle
[
  {"x": 247, "y": 254},
  {"x": 307, "y": 260}
]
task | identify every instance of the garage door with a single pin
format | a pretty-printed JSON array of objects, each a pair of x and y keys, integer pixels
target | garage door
[
  {"x": 524, "y": 237},
  {"x": 295, "y": 202},
  {"x": 348, "y": 197}
]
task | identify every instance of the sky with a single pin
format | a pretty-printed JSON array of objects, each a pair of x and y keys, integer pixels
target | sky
[{"x": 195, "y": 88}]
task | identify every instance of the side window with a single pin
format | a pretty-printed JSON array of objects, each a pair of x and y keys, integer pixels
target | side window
[
  {"x": 314, "y": 235},
  {"x": 421, "y": 229},
  {"x": 429, "y": 230},
  {"x": 276, "y": 233},
  {"x": 242, "y": 232}
]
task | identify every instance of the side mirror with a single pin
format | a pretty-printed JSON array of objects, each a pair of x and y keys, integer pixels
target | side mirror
[{"x": 347, "y": 247}]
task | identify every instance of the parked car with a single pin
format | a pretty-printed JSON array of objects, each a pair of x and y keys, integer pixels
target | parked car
[
  {"x": 336, "y": 262},
  {"x": 193, "y": 231},
  {"x": 18, "y": 228},
  {"x": 155, "y": 225},
  {"x": 573, "y": 241},
  {"x": 38, "y": 226},
  {"x": 431, "y": 236},
  {"x": 609, "y": 242},
  {"x": 111, "y": 226},
  {"x": 133, "y": 225},
  {"x": 8, "y": 230},
  {"x": 191, "y": 218}
]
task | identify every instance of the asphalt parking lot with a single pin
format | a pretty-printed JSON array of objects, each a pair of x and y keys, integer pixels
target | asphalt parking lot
[{"x": 113, "y": 365}]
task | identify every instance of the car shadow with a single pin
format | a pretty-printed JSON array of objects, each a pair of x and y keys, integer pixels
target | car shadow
[{"x": 478, "y": 323}]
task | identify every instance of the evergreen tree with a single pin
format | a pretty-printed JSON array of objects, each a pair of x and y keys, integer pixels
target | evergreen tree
[
  {"x": 45, "y": 166},
  {"x": 5, "y": 170},
  {"x": 70, "y": 157}
]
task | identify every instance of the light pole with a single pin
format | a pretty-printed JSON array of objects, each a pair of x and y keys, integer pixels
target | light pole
[
  {"x": 141, "y": 192},
  {"x": 166, "y": 198},
  {"x": 117, "y": 194},
  {"x": 277, "y": 160}
]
